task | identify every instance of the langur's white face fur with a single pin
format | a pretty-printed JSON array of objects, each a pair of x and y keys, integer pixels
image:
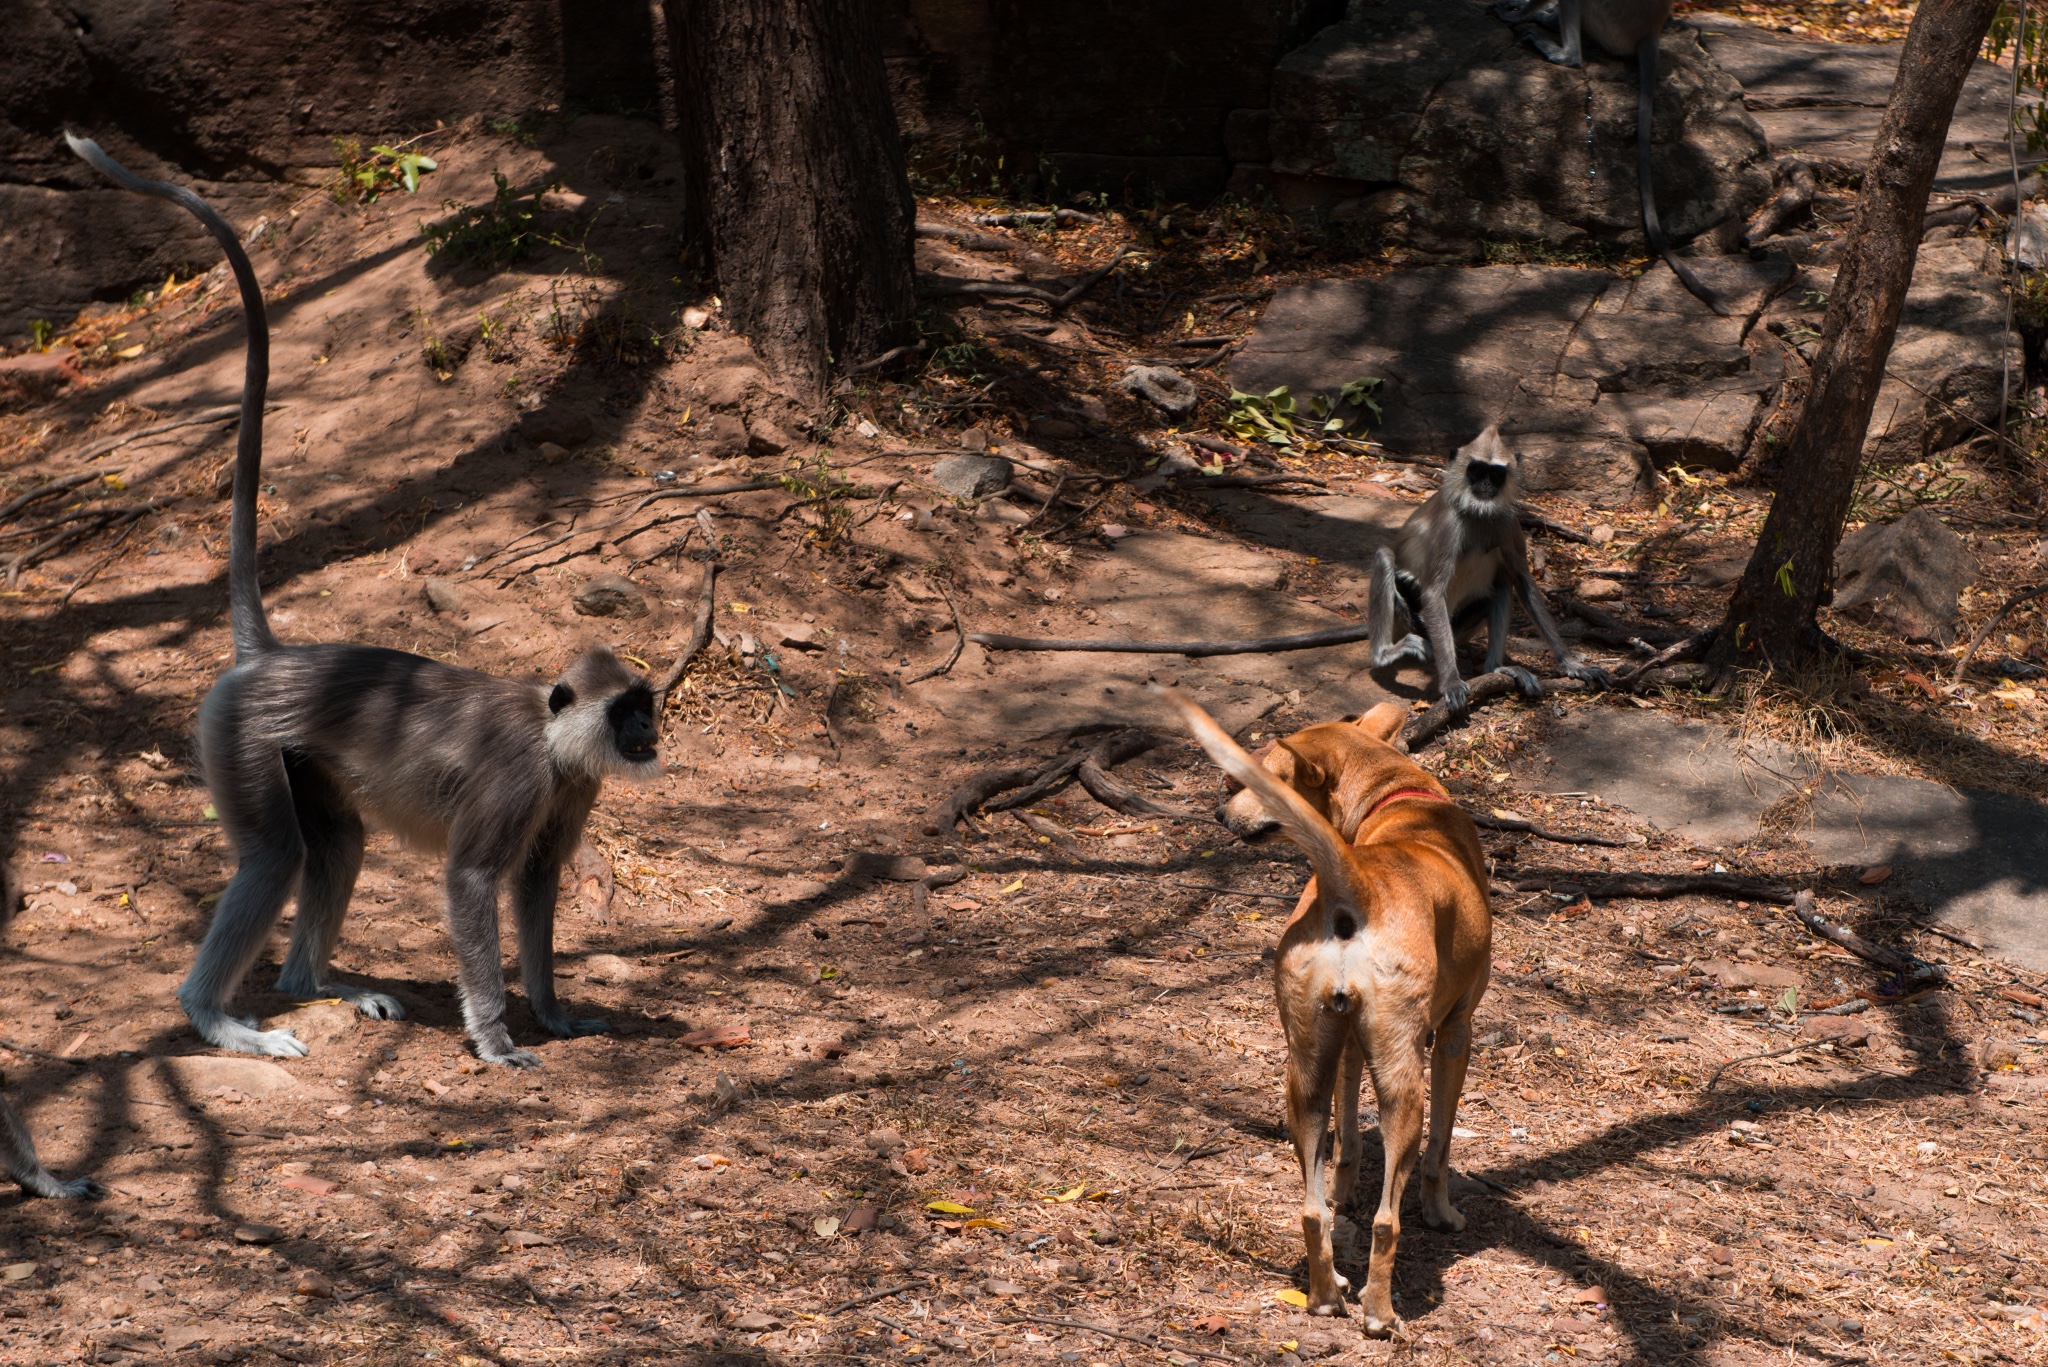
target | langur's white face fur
[
  {"x": 603, "y": 722},
  {"x": 1484, "y": 477}
]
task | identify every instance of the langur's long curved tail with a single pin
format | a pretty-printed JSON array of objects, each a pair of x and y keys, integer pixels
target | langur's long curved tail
[
  {"x": 252, "y": 632},
  {"x": 1646, "y": 85}
]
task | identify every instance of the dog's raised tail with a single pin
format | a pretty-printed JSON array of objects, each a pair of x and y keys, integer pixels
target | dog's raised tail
[{"x": 1299, "y": 821}]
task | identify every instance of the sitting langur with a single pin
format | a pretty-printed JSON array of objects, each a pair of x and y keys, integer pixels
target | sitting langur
[
  {"x": 1623, "y": 28},
  {"x": 299, "y": 742},
  {"x": 1458, "y": 553}
]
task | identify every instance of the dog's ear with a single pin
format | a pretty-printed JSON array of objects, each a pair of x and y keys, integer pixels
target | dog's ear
[
  {"x": 1258, "y": 757},
  {"x": 1306, "y": 771},
  {"x": 1384, "y": 721}
]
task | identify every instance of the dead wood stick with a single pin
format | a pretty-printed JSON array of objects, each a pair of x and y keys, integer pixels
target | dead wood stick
[
  {"x": 1985, "y": 631},
  {"x": 1045, "y": 781},
  {"x": 1202, "y": 341},
  {"x": 959, "y": 639},
  {"x": 1093, "y": 774},
  {"x": 1309, "y": 640},
  {"x": 1798, "y": 186},
  {"x": 1907, "y": 966},
  {"x": 1149, "y": 1340},
  {"x": 1022, "y": 218},
  {"x": 966, "y": 237},
  {"x": 934, "y": 286},
  {"x": 1483, "y": 688},
  {"x": 92, "y": 571},
  {"x": 1249, "y": 481},
  {"x": 978, "y": 789},
  {"x": 700, "y": 629},
  {"x": 1090, "y": 280},
  {"x": 1518, "y": 824},
  {"x": 1082, "y": 516},
  {"x": 1593, "y": 616},
  {"x": 1654, "y": 885},
  {"x": 55, "y": 486},
  {"x": 700, "y": 491},
  {"x": 1529, "y": 517},
  {"x": 676, "y": 547},
  {"x": 204, "y": 417},
  {"x": 1752, "y": 1058},
  {"x": 871, "y": 1297},
  {"x": 892, "y": 354},
  {"x": 1691, "y": 647},
  {"x": 43, "y": 550}
]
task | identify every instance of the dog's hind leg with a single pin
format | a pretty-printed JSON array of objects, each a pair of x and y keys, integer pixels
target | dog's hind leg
[
  {"x": 1446, "y": 1085},
  {"x": 1350, "y": 1072},
  {"x": 1311, "y": 1081},
  {"x": 1397, "y": 1062}
]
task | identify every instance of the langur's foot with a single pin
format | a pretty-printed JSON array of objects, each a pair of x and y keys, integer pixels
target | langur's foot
[
  {"x": 1592, "y": 674},
  {"x": 1524, "y": 680},
  {"x": 377, "y": 1006},
  {"x": 571, "y": 1029},
  {"x": 225, "y": 1032},
  {"x": 1457, "y": 697},
  {"x": 77, "y": 1189},
  {"x": 1409, "y": 647},
  {"x": 509, "y": 1057}
]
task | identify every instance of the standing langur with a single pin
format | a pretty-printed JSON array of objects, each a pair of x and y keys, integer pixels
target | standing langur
[
  {"x": 1462, "y": 549},
  {"x": 1623, "y": 28},
  {"x": 297, "y": 743}
]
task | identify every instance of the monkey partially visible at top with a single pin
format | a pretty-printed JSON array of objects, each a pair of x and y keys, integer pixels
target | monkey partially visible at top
[
  {"x": 299, "y": 742},
  {"x": 1460, "y": 551},
  {"x": 1623, "y": 28}
]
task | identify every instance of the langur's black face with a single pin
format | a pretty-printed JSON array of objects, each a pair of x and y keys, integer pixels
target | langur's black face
[
  {"x": 1486, "y": 479},
  {"x": 631, "y": 715}
]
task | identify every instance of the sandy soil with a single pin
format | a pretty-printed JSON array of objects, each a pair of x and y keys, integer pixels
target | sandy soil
[{"x": 1031, "y": 1078}]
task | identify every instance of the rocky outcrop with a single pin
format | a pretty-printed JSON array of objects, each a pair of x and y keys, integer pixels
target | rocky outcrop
[{"x": 1437, "y": 125}]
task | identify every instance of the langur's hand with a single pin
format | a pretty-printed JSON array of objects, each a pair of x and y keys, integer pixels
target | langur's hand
[{"x": 1457, "y": 697}]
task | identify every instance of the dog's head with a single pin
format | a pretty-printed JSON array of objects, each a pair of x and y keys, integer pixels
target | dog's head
[{"x": 1315, "y": 763}]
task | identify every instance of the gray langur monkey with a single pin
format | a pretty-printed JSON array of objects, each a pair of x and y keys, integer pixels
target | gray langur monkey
[
  {"x": 298, "y": 742},
  {"x": 1623, "y": 28},
  {"x": 1460, "y": 552}
]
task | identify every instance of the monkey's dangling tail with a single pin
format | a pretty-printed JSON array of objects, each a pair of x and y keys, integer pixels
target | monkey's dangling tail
[
  {"x": 245, "y": 595},
  {"x": 1327, "y": 852},
  {"x": 1646, "y": 85}
]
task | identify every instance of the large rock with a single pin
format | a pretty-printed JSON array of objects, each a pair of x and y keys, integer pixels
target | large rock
[
  {"x": 1443, "y": 129},
  {"x": 1595, "y": 378},
  {"x": 1909, "y": 575}
]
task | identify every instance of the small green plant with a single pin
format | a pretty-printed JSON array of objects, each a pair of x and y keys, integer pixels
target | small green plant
[
  {"x": 1275, "y": 418},
  {"x": 365, "y": 176},
  {"x": 2030, "y": 57},
  {"x": 485, "y": 235},
  {"x": 41, "y": 333}
]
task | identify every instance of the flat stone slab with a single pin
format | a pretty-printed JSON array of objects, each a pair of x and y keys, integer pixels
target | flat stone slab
[
  {"x": 1978, "y": 859},
  {"x": 1825, "y": 99}
]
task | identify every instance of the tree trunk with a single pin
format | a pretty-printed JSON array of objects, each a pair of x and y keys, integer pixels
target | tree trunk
[
  {"x": 1772, "y": 617},
  {"x": 795, "y": 177}
]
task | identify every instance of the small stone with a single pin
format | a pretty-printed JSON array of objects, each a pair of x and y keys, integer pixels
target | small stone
[
  {"x": 311, "y": 1283},
  {"x": 257, "y": 1234},
  {"x": 972, "y": 477},
  {"x": 552, "y": 453},
  {"x": 796, "y": 635},
  {"x": 696, "y": 316},
  {"x": 609, "y": 968},
  {"x": 882, "y": 1141},
  {"x": 1165, "y": 388},
  {"x": 861, "y": 1219},
  {"x": 997, "y": 1286},
  {"x": 526, "y": 1238},
  {"x": 974, "y": 439},
  {"x": 611, "y": 595},
  {"x": 756, "y": 1322},
  {"x": 1598, "y": 590},
  {"x": 1601, "y": 534},
  {"x": 1056, "y": 428},
  {"x": 764, "y": 438},
  {"x": 441, "y": 595},
  {"x": 1003, "y": 512},
  {"x": 893, "y": 868},
  {"x": 312, "y": 1186},
  {"x": 18, "y": 1272},
  {"x": 512, "y": 1181}
]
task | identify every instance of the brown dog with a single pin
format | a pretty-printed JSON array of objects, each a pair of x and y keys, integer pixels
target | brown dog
[{"x": 1382, "y": 965}]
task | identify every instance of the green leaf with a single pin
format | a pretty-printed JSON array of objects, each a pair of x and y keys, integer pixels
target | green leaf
[{"x": 1785, "y": 584}]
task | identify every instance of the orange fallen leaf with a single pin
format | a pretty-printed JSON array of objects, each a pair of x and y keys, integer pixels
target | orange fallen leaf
[
  {"x": 435, "y": 1086},
  {"x": 1215, "y": 1324},
  {"x": 1874, "y": 875},
  {"x": 719, "y": 1037},
  {"x": 312, "y": 1186},
  {"x": 1922, "y": 682}
]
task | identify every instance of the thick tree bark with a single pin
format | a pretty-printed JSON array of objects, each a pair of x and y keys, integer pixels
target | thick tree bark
[
  {"x": 795, "y": 177},
  {"x": 1772, "y": 615}
]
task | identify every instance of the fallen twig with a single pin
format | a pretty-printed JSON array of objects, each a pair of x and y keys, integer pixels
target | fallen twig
[
  {"x": 1691, "y": 647},
  {"x": 1985, "y": 631},
  {"x": 1149, "y": 1340},
  {"x": 1932, "y": 929},
  {"x": 1202, "y": 341},
  {"x": 204, "y": 417},
  {"x": 700, "y": 629},
  {"x": 978, "y": 789},
  {"x": 1908, "y": 966},
  {"x": 1516, "y": 823},
  {"x": 1024, "y": 217},
  {"x": 1752, "y": 1058},
  {"x": 938, "y": 286},
  {"x": 1247, "y": 481},
  {"x": 1529, "y": 517},
  {"x": 55, "y": 486},
  {"x": 1483, "y": 689},
  {"x": 1093, "y": 774},
  {"x": 1310, "y": 640},
  {"x": 1608, "y": 622},
  {"x": 959, "y": 638},
  {"x": 1653, "y": 885},
  {"x": 871, "y": 1297},
  {"x": 92, "y": 571},
  {"x": 992, "y": 790},
  {"x": 966, "y": 237}
]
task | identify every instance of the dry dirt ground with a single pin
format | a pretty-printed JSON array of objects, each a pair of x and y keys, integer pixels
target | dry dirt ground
[{"x": 987, "y": 1115}]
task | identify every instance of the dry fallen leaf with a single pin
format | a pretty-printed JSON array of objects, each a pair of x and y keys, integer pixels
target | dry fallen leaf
[
  {"x": 1874, "y": 875},
  {"x": 1215, "y": 1324},
  {"x": 948, "y": 1208},
  {"x": 1293, "y": 1297},
  {"x": 719, "y": 1037}
]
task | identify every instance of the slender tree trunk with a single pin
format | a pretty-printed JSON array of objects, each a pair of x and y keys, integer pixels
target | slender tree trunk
[
  {"x": 1772, "y": 616},
  {"x": 795, "y": 177}
]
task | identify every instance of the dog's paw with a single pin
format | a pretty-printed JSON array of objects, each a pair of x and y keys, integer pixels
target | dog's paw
[
  {"x": 1377, "y": 1327},
  {"x": 1448, "y": 1220}
]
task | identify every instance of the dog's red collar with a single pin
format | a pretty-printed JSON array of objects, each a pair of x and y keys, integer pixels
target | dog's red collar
[{"x": 1400, "y": 793}]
